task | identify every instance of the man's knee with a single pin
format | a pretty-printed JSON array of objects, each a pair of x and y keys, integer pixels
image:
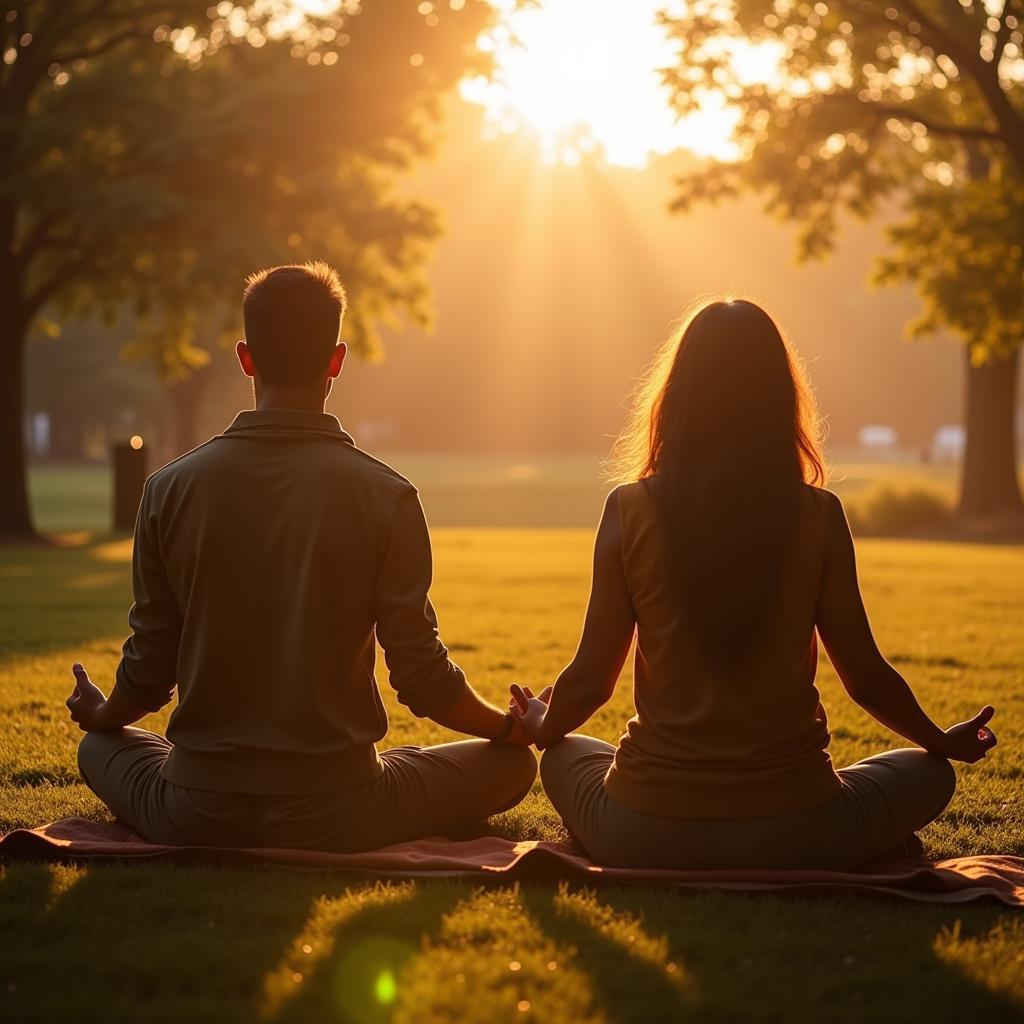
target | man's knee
[
  {"x": 522, "y": 768},
  {"x": 97, "y": 749},
  {"x": 92, "y": 752},
  {"x": 510, "y": 772}
]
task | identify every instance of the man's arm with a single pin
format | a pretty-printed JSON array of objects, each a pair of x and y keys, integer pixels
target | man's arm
[
  {"x": 427, "y": 682},
  {"x": 148, "y": 671}
]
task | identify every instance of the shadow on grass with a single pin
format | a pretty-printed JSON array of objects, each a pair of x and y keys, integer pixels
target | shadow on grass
[
  {"x": 658, "y": 956},
  {"x": 164, "y": 943},
  {"x": 154, "y": 942},
  {"x": 626, "y": 976}
]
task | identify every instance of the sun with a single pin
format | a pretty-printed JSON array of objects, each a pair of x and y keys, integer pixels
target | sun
[{"x": 583, "y": 75}]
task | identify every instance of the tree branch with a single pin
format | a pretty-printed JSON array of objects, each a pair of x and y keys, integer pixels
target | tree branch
[
  {"x": 62, "y": 274},
  {"x": 38, "y": 238},
  {"x": 983, "y": 74},
  {"x": 910, "y": 115},
  {"x": 936, "y": 34},
  {"x": 110, "y": 43},
  {"x": 1004, "y": 32},
  {"x": 940, "y": 31}
]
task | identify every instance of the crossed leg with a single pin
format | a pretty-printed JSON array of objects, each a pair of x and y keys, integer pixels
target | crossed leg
[
  {"x": 883, "y": 800},
  {"x": 441, "y": 790}
]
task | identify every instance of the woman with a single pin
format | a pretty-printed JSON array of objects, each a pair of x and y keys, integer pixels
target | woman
[{"x": 728, "y": 560}]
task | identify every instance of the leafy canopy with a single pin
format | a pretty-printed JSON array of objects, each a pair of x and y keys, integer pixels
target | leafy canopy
[
  {"x": 158, "y": 150},
  {"x": 912, "y": 106}
]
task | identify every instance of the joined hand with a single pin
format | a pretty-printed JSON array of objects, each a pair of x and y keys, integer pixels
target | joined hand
[{"x": 529, "y": 709}]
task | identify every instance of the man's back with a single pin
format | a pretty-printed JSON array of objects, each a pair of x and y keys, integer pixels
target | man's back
[
  {"x": 264, "y": 558},
  {"x": 265, "y": 561}
]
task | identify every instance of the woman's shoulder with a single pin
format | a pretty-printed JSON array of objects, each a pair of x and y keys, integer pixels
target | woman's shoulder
[
  {"x": 631, "y": 495},
  {"x": 820, "y": 499},
  {"x": 822, "y": 514},
  {"x": 631, "y": 489}
]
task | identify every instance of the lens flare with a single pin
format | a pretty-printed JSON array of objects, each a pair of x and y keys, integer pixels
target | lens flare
[
  {"x": 385, "y": 989},
  {"x": 366, "y": 982}
]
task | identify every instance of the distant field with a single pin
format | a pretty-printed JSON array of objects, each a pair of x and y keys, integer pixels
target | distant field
[{"x": 470, "y": 490}]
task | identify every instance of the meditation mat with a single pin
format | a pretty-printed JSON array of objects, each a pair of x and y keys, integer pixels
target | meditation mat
[{"x": 960, "y": 880}]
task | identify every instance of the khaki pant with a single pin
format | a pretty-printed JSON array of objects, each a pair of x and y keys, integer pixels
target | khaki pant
[
  {"x": 442, "y": 790},
  {"x": 884, "y": 799}
]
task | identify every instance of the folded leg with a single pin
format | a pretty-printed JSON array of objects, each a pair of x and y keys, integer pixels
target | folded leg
[{"x": 422, "y": 791}]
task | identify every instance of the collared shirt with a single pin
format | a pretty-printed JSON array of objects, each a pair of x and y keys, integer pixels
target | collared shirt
[{"x": 265, "y": 561}]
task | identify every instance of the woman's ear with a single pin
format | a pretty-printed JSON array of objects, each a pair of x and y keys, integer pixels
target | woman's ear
[
  {"x": 245, "y": 359},
  {"x": 337, "y": 360}
]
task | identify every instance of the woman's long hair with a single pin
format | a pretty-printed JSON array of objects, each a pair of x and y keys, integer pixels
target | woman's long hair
[{"x": 725, "y": 431}]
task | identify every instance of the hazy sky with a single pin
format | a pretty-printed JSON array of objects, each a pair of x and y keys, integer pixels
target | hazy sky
[{"x": 556, "y": 284}]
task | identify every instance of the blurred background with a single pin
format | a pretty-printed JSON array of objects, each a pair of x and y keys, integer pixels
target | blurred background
[{"x": 523, "y": 200}]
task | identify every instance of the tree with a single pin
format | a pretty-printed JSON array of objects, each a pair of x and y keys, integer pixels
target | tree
[
  {"x": 154, "y": 151},
  {"x": 961, "y": 247},
  {"x": 123, "y": 397},
  {"x": 909, "y": 106}
]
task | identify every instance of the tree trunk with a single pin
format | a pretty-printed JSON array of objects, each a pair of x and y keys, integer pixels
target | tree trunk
[
  {"x": 989, "y": 487},
  {"x": 15, "y": 517}
]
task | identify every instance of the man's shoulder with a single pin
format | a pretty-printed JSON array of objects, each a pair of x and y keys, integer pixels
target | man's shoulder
[
  {"x": 210, "y": 457},
  {"x": 379, "y": 471},
  {"x": 183, "y": 465}
]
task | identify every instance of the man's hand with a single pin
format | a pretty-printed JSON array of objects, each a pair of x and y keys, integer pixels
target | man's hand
[
  {"x": 969, "y": 741},
  {"x": 86, "y": 701},
  {"x": 519, "y": 737},
  {"x": 528, "y": 709}
]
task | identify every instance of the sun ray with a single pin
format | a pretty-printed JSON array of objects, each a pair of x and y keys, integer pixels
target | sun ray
[{"x": 584, "y": 76}]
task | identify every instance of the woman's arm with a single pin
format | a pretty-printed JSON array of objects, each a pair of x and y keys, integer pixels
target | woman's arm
[
  {"x": 868, "y": 678},
  {"x": 589, "y": 680}
]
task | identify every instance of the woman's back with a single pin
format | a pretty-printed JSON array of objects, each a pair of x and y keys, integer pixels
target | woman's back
[
  {"x": 726, "y": 561},
  {"x": 703, "y": 746}
]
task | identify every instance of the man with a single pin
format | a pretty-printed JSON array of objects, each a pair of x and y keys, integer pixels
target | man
[{"x": 265, "y": 561}]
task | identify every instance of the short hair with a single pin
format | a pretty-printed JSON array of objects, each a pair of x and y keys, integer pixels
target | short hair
[{"x": 292, "y": 316}]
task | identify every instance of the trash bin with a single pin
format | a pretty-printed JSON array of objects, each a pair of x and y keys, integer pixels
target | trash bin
[{"x": 129, "y": 462}]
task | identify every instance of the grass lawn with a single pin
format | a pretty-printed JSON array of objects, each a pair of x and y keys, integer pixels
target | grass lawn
[
  {"x": 158, "y": 942},
  {"x": 475, "y": 490},
  {"x": 191, "y": 944}
]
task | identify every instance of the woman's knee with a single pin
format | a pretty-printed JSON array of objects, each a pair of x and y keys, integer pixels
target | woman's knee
[
  {"x": 943, "y": 776},
  {"x": 555, "y": 759},
  {"x": 931, "y": 779}
]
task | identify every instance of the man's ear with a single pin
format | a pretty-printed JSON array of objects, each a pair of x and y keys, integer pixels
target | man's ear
[
  {"x": 337, "y": 360},
  {"x": 245, "y": 359}
]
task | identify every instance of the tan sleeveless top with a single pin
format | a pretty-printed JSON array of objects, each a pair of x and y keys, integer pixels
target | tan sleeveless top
[{"x": 701, "y": 747}]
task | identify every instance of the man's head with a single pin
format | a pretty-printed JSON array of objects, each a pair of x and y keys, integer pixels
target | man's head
[{"x": 292, "y": 317}]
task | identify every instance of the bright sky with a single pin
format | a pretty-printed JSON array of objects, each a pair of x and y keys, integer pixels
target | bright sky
[{"x": 583, "y": 75}]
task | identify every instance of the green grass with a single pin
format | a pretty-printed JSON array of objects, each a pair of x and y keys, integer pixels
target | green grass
[
  {"x": 162, "y": 943},
  {"x": 477, "y": 490},
  {"x": 74, "y": 497}
]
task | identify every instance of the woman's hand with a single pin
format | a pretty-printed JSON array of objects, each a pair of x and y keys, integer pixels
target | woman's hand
[
  {"x": 528, "y": 709},
  {"x": 969, "y": 741}
]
